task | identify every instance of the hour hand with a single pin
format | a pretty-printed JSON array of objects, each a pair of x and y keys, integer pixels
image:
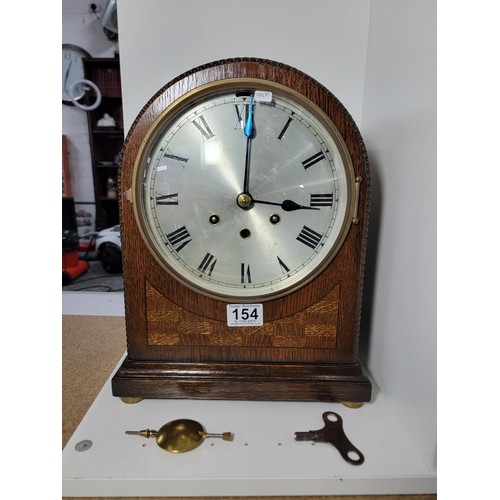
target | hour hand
[{"x": 287, "y": 205}]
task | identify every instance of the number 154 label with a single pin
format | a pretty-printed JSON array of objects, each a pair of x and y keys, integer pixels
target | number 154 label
[{"x": 245, "y": 315}]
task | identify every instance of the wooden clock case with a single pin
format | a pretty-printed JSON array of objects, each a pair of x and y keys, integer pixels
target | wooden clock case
[{"x": 179, "y": 345}]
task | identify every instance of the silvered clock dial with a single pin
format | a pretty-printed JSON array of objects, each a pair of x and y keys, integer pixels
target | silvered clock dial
[{"x": 243, "y": 191}]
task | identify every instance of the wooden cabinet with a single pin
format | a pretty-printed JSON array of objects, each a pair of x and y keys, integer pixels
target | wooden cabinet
[
  {"x": 66, "y": 179},
  {"x": 106, "y": 141}
]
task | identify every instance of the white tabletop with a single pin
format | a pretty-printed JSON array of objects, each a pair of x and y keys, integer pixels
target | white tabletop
[{"x": 263, "y": 459}]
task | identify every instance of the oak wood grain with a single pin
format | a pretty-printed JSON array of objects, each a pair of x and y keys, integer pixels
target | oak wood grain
[{"x": 319, "y": 323}]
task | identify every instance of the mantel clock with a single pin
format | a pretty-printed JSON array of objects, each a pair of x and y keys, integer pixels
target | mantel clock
[{"x": 244, "y": 198}]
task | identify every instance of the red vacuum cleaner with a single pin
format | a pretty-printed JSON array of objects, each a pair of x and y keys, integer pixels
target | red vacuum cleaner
[{"x": 72, "y": 266}]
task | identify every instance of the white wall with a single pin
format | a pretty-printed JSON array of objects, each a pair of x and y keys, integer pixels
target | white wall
[
  {"x": 160, "y": 40},
  {"x": 381, "y": 64},
  {"x": 399, "y": 128},
  {"x": 80, "y": 27}
]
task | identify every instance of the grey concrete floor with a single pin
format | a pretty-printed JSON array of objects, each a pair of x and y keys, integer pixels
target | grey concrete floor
[{"x": 96, "y": 279}]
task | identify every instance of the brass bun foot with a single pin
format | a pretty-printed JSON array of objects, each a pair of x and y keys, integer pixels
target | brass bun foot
[
  {"x": 352, "y": 404},
  {"x": 130, "y": 400}
]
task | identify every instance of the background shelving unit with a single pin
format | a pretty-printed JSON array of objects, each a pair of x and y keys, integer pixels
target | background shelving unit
[{"x": 106, "y": 142}]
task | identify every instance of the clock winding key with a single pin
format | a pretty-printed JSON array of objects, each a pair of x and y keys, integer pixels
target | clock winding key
[{"x": 333, "y": 433}]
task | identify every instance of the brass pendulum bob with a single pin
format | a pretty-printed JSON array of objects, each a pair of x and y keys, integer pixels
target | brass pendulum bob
[{"x": 180, "y": 435}]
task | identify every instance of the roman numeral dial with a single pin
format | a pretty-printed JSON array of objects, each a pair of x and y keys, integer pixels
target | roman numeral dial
[
  {"x": 284, "y": 129},
  {"x": 168, "y": 199},
  {"x": 321, "y": 200},
  {"x": 179, "y": 159},
  {"x": 207, "y": 264},
  {"x": 179, "y": 238},
  {"x": 202, "y": 125},
  {"x": 284, "y": 268},
  {"x": 309, "y": 237},
  {"x": 312, "y": 160},
  {"x": 244, "y": 196},
  {"x": 245, "y": 274}
]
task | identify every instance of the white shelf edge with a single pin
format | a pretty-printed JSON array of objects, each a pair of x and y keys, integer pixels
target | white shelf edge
[
  {"x": 93, "y": 304},
  {"x": 120, "y": 465}
]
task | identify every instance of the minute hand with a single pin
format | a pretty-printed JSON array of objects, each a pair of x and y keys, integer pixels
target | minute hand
[
  {"x": 249, "y": 131},
  {"x": 287, "y": 205}
]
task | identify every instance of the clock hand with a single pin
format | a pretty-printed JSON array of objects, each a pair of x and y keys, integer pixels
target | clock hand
[
  {"x": 67, "y": 73},
  {"x": 287, "y": 205},
  {"x": 249, "y": 131},
  {"x": 249, "y": 128}
]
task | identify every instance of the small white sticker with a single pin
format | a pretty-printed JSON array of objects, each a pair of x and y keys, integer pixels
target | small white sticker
[
  {"x": 161, "y": 167},
  {"x": 263, "y": 96},
  {"x": 245, "y": 315}
]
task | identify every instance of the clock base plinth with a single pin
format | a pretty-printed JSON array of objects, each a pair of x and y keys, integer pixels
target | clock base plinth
[{"x": 241, "y": 381}]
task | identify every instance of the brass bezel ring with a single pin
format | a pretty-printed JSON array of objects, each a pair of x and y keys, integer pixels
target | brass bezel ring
[{"x": 192, "y": 97}]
